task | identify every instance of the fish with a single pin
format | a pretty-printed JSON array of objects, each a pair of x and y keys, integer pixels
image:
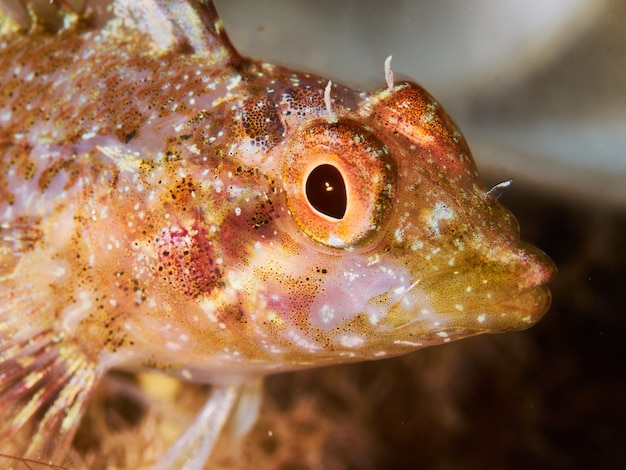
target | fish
[{"x": 169, "y": 205}]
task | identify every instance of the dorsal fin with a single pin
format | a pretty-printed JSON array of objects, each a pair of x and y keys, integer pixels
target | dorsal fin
[
  {"x": 169, "y": 24},
  {"x": 200, "y": 24}
]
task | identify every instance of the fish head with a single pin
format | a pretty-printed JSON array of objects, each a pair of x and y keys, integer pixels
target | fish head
[
  {"x": 312, "y": 229},
  {"x": 413, "y": 249}
]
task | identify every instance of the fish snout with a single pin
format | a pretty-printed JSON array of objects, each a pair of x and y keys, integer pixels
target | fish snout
[
  {"x": 536, "y": 268},
  {"x": 484, "y": 291}
]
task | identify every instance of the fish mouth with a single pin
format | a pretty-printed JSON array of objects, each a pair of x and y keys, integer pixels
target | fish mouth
[
  {"x": 532, "y": 304},
  {"x": 521, "y": 309},
  {"x": 517, "y": 312},
  {"x": 487, "y": 299}
]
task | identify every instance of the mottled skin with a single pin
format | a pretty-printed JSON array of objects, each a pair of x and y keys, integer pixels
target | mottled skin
[{"x": 153, "y": 214}]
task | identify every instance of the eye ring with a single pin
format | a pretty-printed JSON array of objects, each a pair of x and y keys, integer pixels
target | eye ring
[{"x": 355, "y": 167}]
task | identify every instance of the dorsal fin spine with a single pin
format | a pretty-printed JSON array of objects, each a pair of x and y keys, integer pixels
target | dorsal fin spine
[{"x": 202, "y": 27}]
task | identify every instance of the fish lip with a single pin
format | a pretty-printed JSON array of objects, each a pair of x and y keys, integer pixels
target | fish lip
[
  {"x": 516, "y": 313},
  {"x": 534, "y": 295},
  {"x": 530, "y": 305},
  {"x": 523, "y": 307}
]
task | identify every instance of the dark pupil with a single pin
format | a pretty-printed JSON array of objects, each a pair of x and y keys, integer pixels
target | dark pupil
[{"x": 326, "y": 191}]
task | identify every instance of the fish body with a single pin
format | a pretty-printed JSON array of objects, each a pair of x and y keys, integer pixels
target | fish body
[{"x": 166, "y": 204}]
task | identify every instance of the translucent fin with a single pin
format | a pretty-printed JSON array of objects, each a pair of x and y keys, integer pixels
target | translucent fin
[
  {"x": 230, "y": 408},
  {"x": 45, "y": 379},
  {"x": 170, "y": 24},
  {"x": 182, "y": 23},
  {"x": 44, "y": 387},
  {"x": 246, "y": 411}
]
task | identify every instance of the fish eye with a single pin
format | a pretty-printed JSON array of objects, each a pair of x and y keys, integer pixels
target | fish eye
[
  {"x": 326, "y": 191},
  {"x": 339, "y": 182}
]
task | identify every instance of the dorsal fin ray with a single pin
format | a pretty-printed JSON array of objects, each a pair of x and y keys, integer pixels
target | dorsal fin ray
[
  {"x": 179, "y": 23},
  {"x": 201, "y": 25}
]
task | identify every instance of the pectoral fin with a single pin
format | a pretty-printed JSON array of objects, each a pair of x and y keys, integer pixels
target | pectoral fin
[{"x": 45, "y": 379}]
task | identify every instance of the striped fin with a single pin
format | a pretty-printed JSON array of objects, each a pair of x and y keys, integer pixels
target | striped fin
[{"x": 45, "y": 379}]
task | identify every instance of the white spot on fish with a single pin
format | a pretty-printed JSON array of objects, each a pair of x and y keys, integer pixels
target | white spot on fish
[
  {"x": 399, "y": 235},
  {"x": 351, "y": 341},
  {"x": 411, "y": 344},
  {"x": 417, "y": 246},
  {"x": 299, "y": 340},
  {"x": 59, "y": 271},
  {"x": 441, "y": 212},
  {"x": 327, "y": 313}
]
